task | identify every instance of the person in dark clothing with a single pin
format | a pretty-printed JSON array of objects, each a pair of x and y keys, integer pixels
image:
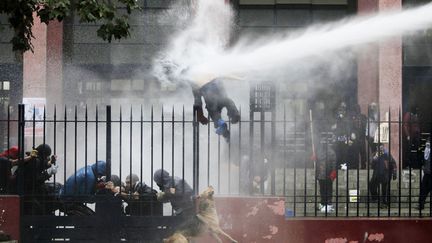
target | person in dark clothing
[
  {"x": 34, "y": 171},
  {"x": 426, "y": 182},
  {"x": 384, "y": 169},
  {"x": 87, "y": 181},
  {"x": 326, "y": 174},
  {"x": 357, "y": 151},
  {"x": 176, "y": 191},
  {"x": 141, "y": 199},
  {"x": 7, "y": 159},
  {"x": 343, "y": 138},
  {"x": 216, "y": 99},
  {"x": 411, "y": 138},
  {"x": 372, "y": 125}
]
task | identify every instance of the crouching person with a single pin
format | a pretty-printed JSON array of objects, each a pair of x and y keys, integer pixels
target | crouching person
[
  {"x": 85, "y": 183},
  {"x": 326, "y": 174},
  {"x": 175, "y": 191}
]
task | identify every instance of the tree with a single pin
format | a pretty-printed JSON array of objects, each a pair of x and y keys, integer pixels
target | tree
[{"x": 20, "y": 17}]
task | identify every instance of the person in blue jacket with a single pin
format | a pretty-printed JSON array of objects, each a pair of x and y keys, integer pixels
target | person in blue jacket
[{"x": 85, "y": 180}]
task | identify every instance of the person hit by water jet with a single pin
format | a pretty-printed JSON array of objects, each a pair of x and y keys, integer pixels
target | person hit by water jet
[{"x": 216, "y": 99}]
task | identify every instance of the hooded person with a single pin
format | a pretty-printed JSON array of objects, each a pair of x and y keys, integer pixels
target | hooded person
[
  {"x": 176, "y": 191},
  {"x": 6, "y": 179},
  {"x": 85, "y": 180}
]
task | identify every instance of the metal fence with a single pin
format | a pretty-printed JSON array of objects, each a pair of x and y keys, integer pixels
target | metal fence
[{"x": 266, "y": 155}]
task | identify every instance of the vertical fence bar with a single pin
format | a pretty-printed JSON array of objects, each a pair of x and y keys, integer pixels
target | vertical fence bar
[
  {"x": 172, "y": 141},
  {"x": 142, "y": 158},
  {"x": 251, "y": 142},
  {"x": 347, "y": 188},
  {"x": 75, "y": 149},
  {"x": 97, "y": 134},
  {"x": 55, "y": 137},
  {"x": 108, "y": 142},
  {"x": 229, "y": 160},
  {"x": 389, "y": 197},
  {"x": 368, "y": 162},
  {"x": 379, "y": 154},
  {"x": 219, "y": 163},
  {"x": 305, "y": 160},
  {"x": 196, "y": 152},
  {"x": 183, "y": 147},
  {"x": 64, "y": 149},
  {"x": 240, "y": 152},
  {"x": 315, "y": 170},
  {"x": 295, "y": 165},
  {"x": 151, "y": 145},
  {"x": 284, "y": 152},
  {"x": 85, "y": 144},
  {"x": 162, "y": 142},
  {"x": 120, "y": 144},
  {"x": 262, "y": 149},
  {"x": 400, "y": 163},
  {"x": 273, "y": 150},
  {"x": 410, "y": 171},
  {"x": 8, "y": 126},
  {"x": 21, "y": 126},
  {"x": 34, "y": 128},
  {"x": 130, "y": 145},
  {"x": 208, "y": 153}
]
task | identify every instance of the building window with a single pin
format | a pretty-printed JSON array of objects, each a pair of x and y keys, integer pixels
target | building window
[{"x": 5, "y": 85}]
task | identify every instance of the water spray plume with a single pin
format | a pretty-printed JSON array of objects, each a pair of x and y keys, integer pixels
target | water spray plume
[{"x": 200, "y": 51}]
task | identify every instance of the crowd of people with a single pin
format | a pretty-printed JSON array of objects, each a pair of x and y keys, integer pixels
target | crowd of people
[
  {"x": 30, "y": 177},
  {"x": 357, "y": 140}
]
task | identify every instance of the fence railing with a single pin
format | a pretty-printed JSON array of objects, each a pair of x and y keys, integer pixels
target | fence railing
[{"x": 270, "y": 157}]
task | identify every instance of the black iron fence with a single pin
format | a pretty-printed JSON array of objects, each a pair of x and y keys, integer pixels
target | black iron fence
[{"x": 266, "y": 155}]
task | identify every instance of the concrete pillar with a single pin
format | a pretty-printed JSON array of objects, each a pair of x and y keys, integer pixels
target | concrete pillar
[
  {"x": 380, "y": 72},
  {"x": 390, "y": 78}
]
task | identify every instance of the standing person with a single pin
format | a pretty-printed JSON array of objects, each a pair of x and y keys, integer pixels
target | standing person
[
  {"x": 426, "y": 182},
  {"x": 372, "y": 127},
  {"x": 357, "y": 152},
  {"x": 342, "y": 135},
  {"x": 411, "y": 138},
  {"x": 326, "y": 174},
  {"x": 384, "y": 169},
  {"x": 176, "y": 191},
  {"x": 216, "y": 99}
]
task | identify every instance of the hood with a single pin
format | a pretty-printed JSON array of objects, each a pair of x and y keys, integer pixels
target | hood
[
  {"x": 100, "y": 168},
  {"x": 162, "y": 177}
]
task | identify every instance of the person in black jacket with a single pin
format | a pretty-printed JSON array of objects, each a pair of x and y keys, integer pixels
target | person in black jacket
[
  {"x": 216, "y": 99},
  {"x": 426, "y": 182},
  {"x": 384, "y": 169},
  {"x": 34, "y": 171},
  {"x": 176, "y": 191},
  {"x": 326, "y": 174}
]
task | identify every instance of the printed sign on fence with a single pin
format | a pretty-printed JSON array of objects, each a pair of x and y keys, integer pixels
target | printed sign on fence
[{"x": 34, "y": 109}]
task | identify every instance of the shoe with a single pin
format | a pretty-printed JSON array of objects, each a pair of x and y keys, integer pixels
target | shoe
[
  {"x": 221, "y": 127},
  {"x": 320, "y": 206}
]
